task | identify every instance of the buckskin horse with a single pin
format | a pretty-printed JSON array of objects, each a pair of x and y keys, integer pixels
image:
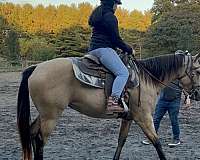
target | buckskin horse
[{"x": 52, "y": 86}]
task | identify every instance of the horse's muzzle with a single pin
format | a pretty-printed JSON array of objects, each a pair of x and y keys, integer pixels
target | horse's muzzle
[{"x": 195, "y": 94}]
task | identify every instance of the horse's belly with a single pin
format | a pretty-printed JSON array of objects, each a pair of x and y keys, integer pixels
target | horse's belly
[{"x": 92, "y": 111}]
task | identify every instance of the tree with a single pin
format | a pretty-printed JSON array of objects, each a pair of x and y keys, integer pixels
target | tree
[
  {"x": 73, "y": 41},
  {"x": 134, "y": 38},
  {"x": 9, "y": 47},
  {"x": 3, "y": 48},
  {"x": 161, "y": 7},
  {"x": 12, "y": 45},
  {"x": 85, "y": 10},
  {"x": 52, "y": 19},
  {"x": 37, "y": 49},
  {"x": 25, "y": 50},
  {"x": 42, "y": 50},
  {"x": 177, "y": 29}
]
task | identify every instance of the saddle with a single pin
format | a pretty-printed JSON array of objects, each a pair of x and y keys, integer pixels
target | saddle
[
  {"x": 90, "y": 71},
  {"x": 91, "y": 65}
]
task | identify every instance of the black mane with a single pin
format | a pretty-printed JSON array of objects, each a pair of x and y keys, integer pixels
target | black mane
[{"x": 161, "y": 66}]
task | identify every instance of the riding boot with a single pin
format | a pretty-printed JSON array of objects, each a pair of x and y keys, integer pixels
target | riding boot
[{"x": 113, "y": 105}]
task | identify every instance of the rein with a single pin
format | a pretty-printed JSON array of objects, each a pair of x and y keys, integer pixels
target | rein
[{"x": 189, "y": 65}]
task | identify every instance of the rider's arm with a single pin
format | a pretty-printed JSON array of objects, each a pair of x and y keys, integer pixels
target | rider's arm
[{"x": 111, "y": 24}]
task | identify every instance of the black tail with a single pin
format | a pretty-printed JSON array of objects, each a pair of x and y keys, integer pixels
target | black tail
[{"x": 23, "y": 114}]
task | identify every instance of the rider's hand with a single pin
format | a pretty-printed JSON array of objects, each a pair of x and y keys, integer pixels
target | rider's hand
[{"x": 132, "y": 52}]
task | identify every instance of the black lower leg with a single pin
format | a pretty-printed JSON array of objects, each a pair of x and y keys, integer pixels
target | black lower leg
[
  {"x": 124, "y": 129},
  {"x": 37, "y": 140},
  {"x": 38, "y": 144},
  {"x": 159, "y": 150},
  {"x": 121, "y": 143}
]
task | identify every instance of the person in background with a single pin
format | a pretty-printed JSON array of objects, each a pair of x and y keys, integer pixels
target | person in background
[{"x": 169, "y": 101}]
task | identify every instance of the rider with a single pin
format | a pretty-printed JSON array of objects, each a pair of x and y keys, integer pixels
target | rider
[{"x": 104, "y": 40}]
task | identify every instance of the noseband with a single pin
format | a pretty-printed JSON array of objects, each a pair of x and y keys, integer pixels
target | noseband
[{"x": 189, "y": 74}]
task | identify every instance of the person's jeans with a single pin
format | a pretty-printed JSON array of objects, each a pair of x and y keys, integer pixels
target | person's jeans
[
  {"x": 109, "y": 58},
  {"x": 172, "y": 107}
]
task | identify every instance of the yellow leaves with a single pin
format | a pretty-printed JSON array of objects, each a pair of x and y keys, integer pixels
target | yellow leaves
[
  {"x": 134, "y": 20},
  {"x": 54, "y": 19},
  {"x": 25, "y": 47},
  {"x": 123, "y": 17},
  {"x": 85, "y": 10}
]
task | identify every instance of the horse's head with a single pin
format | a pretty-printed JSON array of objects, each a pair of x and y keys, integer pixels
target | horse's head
[{"x": 191, "y": 78}]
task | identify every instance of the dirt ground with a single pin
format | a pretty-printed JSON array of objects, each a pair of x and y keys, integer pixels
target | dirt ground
[{"x": 78, "y": 137}]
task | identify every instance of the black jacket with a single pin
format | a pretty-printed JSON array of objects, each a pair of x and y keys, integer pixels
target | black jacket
[
  {"x": 170, "y": 94},
  {"x": 105, "y": 32}
]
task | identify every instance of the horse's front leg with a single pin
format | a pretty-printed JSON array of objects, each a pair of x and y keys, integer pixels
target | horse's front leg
[
  {"x": 124, "y": 129},
  {"x": 146, "y": 123}
]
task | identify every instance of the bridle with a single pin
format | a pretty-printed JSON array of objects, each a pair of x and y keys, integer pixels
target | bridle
[
  {"x": 188, "y": 72},
  {"x": 188, "y": 68}
]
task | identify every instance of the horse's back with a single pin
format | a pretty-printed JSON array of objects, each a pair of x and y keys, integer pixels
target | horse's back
[
  {"x": 54, "y": 65},
  {"x": 51, "y": 72}
]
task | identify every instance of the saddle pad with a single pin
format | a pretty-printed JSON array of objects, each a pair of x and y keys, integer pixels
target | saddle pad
[
  {"x": 84, "y": 78},
  {"x": 100, "y": 82}
]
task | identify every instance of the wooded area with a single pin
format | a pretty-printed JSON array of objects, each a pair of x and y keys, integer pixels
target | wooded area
[{"x": 42, "y": 33}]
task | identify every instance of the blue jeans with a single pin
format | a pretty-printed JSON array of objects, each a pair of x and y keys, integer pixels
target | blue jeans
[
  {"x": 110, "y": 59},
  {"x": 172, "y": 107}
]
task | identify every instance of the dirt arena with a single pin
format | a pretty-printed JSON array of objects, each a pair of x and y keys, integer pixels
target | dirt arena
[{"x": 78, "y": 137}]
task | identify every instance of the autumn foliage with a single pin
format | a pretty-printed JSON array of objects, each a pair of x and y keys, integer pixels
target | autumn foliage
[{"x": 53, "y": 19}]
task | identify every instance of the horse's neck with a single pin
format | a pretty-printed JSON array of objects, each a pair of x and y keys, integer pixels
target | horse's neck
[
  {"x": 176, "y": 75},
  {"x": 171, "y": 78},
  {"x": 162, "y": 70},
  {"x": 157, "y": 84}
]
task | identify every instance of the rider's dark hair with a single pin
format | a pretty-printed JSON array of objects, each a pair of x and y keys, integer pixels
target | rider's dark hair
[{"x": 109, "y": 3}]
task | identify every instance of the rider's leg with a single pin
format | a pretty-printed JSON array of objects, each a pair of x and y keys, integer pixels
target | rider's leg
[{"x": 111, "y": 61}]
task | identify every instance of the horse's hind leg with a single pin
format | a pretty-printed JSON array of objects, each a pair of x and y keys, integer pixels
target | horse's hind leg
[
  {"x": 146, "y": 123},
  {"x": 36, "y": 139},
  {"x": 124, "y": 129},
  {"x": 40, "y": 131},
  {"x": 42, "y": 127}
]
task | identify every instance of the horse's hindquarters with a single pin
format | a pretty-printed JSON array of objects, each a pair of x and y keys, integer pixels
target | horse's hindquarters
[{"x": 51, "y": 86}]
